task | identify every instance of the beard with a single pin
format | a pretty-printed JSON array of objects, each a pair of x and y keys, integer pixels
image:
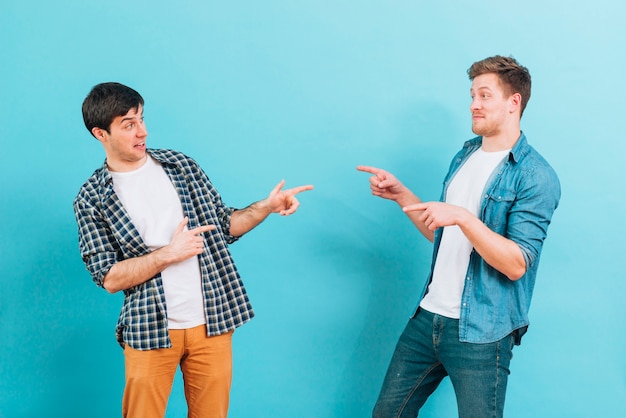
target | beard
[{"x": 485, "y": 128}]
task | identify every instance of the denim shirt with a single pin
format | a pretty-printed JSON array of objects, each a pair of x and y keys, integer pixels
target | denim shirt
[{"x": 518, "y": 202}]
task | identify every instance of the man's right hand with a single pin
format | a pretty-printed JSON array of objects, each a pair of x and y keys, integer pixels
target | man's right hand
[
  {"x": 384, "y": 184},
  {"x": 387, "y": 186},
  {"x": 134, "y": 271},
  {"x": 186, "y": 243}
]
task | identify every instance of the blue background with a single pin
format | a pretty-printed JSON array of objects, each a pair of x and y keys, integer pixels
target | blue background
[{"x": 307, "y": 90}]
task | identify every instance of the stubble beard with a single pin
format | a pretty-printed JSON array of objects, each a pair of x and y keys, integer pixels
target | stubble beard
[{"x": 485, "y": 129}]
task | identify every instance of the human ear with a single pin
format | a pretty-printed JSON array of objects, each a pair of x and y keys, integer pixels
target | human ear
[
  {"x": 98, "y": 133},
  {"x": 515, "y": 102}
]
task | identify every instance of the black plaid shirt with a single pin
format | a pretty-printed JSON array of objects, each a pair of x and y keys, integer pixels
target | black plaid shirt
[{"x": 107, "y": 236}]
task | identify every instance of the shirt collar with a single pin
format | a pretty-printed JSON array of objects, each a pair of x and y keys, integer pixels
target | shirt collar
[
  {"x": 520, "y": 148},
  {"x": 162, "y": 156}
]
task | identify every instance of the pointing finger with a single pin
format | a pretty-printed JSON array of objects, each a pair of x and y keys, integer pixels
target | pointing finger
[
  {"x": 368, "y": 169},
  {"x": 415, "y": 207},
  {"x": 300, "y": 189},
  {"x": 202, "y": 229}
]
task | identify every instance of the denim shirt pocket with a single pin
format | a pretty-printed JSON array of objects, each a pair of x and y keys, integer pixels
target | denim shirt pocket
[{"x": 496, "y": 208}]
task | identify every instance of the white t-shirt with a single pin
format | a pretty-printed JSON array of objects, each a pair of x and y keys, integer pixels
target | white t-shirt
[
  {"x": 466, "y": 190},
  {"x": 154, "y": 207}
]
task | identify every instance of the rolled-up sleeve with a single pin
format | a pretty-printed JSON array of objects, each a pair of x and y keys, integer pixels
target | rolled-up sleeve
[
  {"x": 222, "y": 211},
  {"x": 98, "y": 248},
  {"x": 531, "y": 212}
]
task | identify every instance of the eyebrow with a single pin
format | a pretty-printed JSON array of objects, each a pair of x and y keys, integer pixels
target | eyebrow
[
  {"x": 480, "y": 88},
  {"x": 135, "y": 116}
]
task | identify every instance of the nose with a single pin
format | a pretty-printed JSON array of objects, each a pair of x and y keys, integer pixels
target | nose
[
  {"x": 475, "y": 104},
  {"x": 141, "y": 130}
]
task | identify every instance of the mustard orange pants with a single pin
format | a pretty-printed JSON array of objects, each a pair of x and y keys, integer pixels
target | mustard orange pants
[{"x": 206, "y": 365}]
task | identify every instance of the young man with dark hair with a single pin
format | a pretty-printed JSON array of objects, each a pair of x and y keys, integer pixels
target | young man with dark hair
[
  {"x": 488, "y": 231},
  {"x": 152, "y": 225}
]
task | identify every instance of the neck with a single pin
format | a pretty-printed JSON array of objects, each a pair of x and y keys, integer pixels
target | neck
[
  {"x": 122, "y": 166},
  {"x": 503, "y": 140}
]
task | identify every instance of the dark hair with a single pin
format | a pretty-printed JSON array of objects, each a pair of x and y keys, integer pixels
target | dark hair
[
  {"x": 513, "y": 77},
  {"x": 106, "y": 101}
]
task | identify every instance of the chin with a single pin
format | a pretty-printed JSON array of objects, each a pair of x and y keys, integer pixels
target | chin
[{"x": 484, "y": 131}]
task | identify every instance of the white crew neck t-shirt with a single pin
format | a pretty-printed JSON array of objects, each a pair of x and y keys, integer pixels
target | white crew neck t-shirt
[
  {"x": 154, "y": 207},
  {"x": 466, "y": 190}
]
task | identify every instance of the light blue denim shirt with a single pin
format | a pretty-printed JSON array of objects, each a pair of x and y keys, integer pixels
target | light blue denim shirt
[{"x": 518, "y": 202}]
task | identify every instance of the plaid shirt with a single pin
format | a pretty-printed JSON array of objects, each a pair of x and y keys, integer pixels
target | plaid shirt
[{"x": 107, "y": 236}]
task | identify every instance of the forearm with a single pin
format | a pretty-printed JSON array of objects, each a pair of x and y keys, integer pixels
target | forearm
[
  {"x": 499, "y": 252},
  {"x": 134, "y": 271},
  {"x": 407, "y": 198},
  {"x": 244, "y": 220}
]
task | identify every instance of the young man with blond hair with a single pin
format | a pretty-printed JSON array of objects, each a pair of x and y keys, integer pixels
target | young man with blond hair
[{"x": 488, "y": 230}]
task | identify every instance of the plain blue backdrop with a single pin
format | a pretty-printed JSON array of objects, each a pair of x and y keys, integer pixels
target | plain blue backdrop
[{"x": 305, "y": 91}]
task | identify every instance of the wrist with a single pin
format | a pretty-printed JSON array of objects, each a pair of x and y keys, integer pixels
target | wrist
[
  {"x": 406, "y": 198},
  {"x": 162, "y": 257},
  {"x": 465, "y": 219},
  {"x": 265, "y": 206}
]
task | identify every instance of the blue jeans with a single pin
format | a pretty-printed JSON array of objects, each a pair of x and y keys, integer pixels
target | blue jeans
[{"x": 429, "y": 350}]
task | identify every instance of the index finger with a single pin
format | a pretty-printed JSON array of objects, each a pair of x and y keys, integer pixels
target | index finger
[
  {"x": 299, "y": 189},
  {"x": 416, "y": 206},
  {"x": 368, "y": 169},
  {"x": 201, "y": 229}
]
